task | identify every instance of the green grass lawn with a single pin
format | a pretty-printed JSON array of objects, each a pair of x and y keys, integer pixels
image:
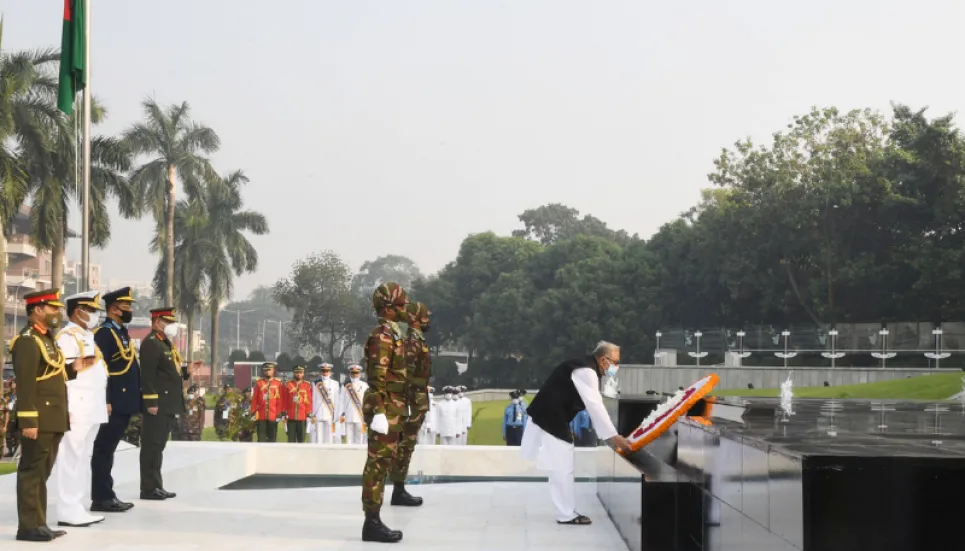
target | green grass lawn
[
  {"x": 926, "y": 387},
  {"x": 486, "y": 428},
  {"x": 7, "y": 468}
]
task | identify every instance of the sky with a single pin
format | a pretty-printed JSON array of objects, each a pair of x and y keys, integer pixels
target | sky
[{"x": 373, "y": 128}]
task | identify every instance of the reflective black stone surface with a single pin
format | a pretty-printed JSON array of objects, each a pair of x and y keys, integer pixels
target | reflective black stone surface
[{"x": 822, "y": 475}]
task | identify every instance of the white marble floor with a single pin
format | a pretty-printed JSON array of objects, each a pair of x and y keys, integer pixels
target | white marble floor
[{"x": 464, "y": 516}]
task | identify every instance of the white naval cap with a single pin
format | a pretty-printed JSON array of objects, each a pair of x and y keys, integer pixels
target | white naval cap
[{"x": 90, "y": 299}]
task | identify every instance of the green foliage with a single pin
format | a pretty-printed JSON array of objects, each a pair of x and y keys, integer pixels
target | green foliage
[
  {"x": 256, "y": 356},
  {"x": 238, "y": 356},
  {"x": 841, "y": 218}
]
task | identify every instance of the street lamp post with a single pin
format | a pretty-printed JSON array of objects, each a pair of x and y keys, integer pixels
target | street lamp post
[
  {"x": 238, "y": 324},
  {"x": 656, "y": 351},
  {"x": 280, "y": 324}
]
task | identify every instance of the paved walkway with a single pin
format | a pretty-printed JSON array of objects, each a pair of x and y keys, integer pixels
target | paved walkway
[{"x": 463, "y": 516}]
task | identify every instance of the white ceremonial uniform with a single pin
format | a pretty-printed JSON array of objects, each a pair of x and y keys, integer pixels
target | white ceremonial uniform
[
  {"x": 557, "y": 456},
  {"x": 465, "y": 413},
  {"x": 427, "y": 434},
  {"x": 325, "y": 408},
  {"x": 449, "y": 422},
  {"x": 87, "y": 408},
  {"x": 351, "y": 409}
]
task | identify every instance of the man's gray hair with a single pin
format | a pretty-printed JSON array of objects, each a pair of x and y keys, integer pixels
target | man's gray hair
[{"x": 604, "y": 348}]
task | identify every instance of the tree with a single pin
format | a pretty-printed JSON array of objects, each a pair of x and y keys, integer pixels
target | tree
[
  {"x": 256, "y": 356},
  {"x": 283, "y": 362},
  {"x": 400, "y": 269},
  {"x": 177, "y": 147},
  {"x": 325, "y": 309},
  {"x": 27, "y": 87},
  {"x": 554, "y": 222},
  {"x": 238, "y": 356},
  {"x": 231, "y": 254}
]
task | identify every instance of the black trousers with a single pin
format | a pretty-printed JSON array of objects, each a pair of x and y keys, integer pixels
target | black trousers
[
  {"x": 36, "y": 462},
  {"x": 296, "y": 431},
  {"x": 154, "y": 437},
  {"x": 514, "y": 436},
  {"x": 102, "y": 460},
  {"x": 267, "y": 431}
]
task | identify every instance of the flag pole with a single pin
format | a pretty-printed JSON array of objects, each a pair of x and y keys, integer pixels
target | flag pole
[{"x": 85, "y": 238}]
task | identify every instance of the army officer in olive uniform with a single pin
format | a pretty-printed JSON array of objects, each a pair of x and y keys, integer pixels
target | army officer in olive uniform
[
  {"x": 41, "y": 410},
  {"x": 162, "y": 376}
]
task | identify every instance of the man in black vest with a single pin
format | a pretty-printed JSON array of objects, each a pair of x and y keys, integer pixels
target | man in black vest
[{"x": 572, "y": 387}]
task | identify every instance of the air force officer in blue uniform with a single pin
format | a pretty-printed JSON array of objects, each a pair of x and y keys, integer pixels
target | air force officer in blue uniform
[{"x": 123, "y": 397}]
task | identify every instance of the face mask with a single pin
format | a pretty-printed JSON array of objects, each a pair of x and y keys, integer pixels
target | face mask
[
  {"x": 171, "y": 330},
  {"x": 612, "y": 370},
  {"x": 190, "y": 396},
  {"x": 52, "y": 320},
  {"x": 127, "y": 316},
  {"x": 326, "y": 376},
  {"x": 90, "y": 319},
  {"x": 515, "y": 400},
  {"x": 355, "y": 377},
  {"x": 448, "y": 396}
]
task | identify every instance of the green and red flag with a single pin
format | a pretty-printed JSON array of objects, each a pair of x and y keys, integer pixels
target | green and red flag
[{"x": 73, "y": 47}]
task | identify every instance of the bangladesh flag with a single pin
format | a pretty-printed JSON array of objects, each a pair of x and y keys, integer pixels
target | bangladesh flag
[{"x": 73, "y": 46}]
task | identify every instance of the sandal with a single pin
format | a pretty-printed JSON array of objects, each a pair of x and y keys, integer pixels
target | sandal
[{"x": 580, "y": 519}]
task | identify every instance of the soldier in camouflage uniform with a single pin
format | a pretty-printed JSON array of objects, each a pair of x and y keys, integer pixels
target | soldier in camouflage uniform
[
  {"x": 383, "y": 406},
  {"x": 193, "y": 419},
  {"x": 132, "y": 434},
  {"x": 418, "y": 370},
  {"x": 221, "y": 406},
  {"x": 241, "y": 423}
]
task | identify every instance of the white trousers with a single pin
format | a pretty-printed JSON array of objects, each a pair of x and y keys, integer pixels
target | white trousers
[
  {"x": 427, "y": 438},
  {"x": 324, "y": 433},
  {"x": 447, "y": 440},
  {"x": 558, "y": 457},
  {"x": 353, "y": 433},
  {"x": 72, "y": 471}
]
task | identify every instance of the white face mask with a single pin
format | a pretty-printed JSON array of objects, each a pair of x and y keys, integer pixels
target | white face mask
[
  {"x": 515, "y": 400},
  {"x": 326, "y": 376},
  {"x": 190, "y": 396},
  {"x": 448, "y": 396},
  {"x": 171, "y": 330},
  {"x": 355, "y": 377},
  {"x": 90, "y": 320}
]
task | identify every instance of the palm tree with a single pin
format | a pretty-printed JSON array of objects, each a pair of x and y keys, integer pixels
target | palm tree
[
  {"x": 54, "y": 175},
  {"x": 234, "y": 254},
  {"x": 27, "y": 86},
  {"x": 177, "y": 147},
  {"x": 191, "y": 247}
]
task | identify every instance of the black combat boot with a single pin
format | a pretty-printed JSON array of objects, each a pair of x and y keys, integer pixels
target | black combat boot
[
  {"x": 374, "y": 530},
  {"x": 401, "y": 497}
]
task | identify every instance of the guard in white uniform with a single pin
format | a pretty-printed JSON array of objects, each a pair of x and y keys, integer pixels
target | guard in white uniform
[
  {"x": 86, "y": 405},
  {"x": 465, "y": 413},
  {"x": 427, "y": 434},
  {"x": 350, "y": 404},
  {"x": 325, "y": 402},
  {"x": 573, "y": 386},
  {"x": 450, "y": 422}
]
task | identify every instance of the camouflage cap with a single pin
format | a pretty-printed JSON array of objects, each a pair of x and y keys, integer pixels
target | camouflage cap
[
  {"x": 389, "y": 294},
  {"x": 417, "y": 310}
]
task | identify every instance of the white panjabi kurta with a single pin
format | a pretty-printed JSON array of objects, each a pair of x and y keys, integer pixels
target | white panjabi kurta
[
  {"x": 557, "y": 456},
  {"x": 351, "y": 410}
]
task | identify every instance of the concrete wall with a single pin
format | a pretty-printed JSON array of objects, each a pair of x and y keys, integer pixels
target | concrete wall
[{"x": 637, "y": 379}]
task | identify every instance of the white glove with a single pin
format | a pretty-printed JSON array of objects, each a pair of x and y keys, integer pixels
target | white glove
[{"x": 380, "y": 424}]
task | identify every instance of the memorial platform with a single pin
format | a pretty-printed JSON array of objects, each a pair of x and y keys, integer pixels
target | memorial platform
[
  {"x": 506, "y": 507},
  {"x": 822, "y": 475}
]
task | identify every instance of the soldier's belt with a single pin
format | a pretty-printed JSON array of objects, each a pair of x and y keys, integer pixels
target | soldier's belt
[
  {"x": 395, "y": 386},
  {"x": 418, "y": 381}
]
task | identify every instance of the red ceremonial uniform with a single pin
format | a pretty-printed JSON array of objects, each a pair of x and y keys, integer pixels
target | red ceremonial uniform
[
  {"x": 268, "y": 400},
  {"x": 298, "y": 400}
]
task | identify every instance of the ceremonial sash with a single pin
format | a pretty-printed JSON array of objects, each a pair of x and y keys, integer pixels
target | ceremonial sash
[
  {"x": 355, "y": 401},
  {"x": 323, "y": 390}
]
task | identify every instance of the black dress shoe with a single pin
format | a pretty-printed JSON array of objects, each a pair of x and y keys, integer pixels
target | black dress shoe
[
  {"x": 168, "y": 494},
  {"x": 110, "y": 506},
  {"x": 154, "y": 495},
  {"x": 37, "y": 534},
  {"x": 55, "y": 533}
]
